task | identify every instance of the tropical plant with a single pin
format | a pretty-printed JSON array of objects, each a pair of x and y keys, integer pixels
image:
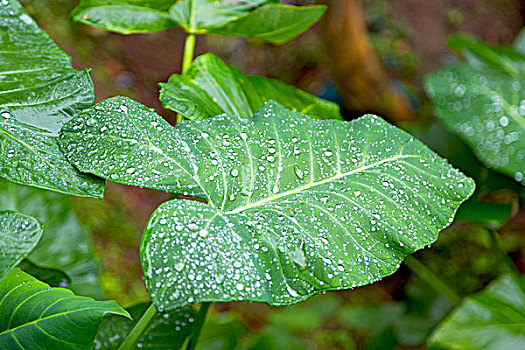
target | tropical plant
[{"x": 284, "y": 206}]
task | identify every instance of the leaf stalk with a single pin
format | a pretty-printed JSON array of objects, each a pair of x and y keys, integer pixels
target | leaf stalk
[
  {"x": 197, "y": 326},
  {"x": 131, "y": 341}
]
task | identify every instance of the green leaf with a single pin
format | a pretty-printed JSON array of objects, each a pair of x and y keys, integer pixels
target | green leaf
[
  {"x": 125, "y": 16},
  {"x": 484, "y": 56},
  {"x": 275, "y": 23},
  {"x": 297, "y": 206},
  {"x": 65, "y": 243},
  {"x": 40, "y": 91},
  {"x": 519, "y": 42},
  {"x": 492, "y": 319},
  {"x": 19, "y": 234},
  {"x": 35, "y": 316},
  {"x": 165, "y": 330},
  {"x": 487, "y": 110},
  {"x": 210, "y": 87},
  {"x": 264, "y": 19},
  {"x": 53, "y": 277}
]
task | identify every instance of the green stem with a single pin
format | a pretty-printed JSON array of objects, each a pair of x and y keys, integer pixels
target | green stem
[
  {"x": 133, "y": 337},
  {"x": 189, "y": 49},
  {"x": 498, "y": 250},
  {"x": 197, "y": 326},
  {"x": 432, "y": 279}
]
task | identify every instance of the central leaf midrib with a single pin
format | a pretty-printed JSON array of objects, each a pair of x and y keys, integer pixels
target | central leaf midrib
[{"x": 317, "y": 183}]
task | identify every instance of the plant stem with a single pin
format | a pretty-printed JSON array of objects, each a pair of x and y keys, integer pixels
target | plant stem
[
  {"x": 189, "y": 49},
  {"x": 432, "y": 279},
  {"x": 133, "y": 337},
  {"x": 187, "y": 58},
  {"x": 498, "y": 250},
  {"x": 197, "y": 326}
]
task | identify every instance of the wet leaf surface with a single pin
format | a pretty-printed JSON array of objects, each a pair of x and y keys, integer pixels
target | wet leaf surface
[
  {"x": 296, "y": 206},
  {"x": 39, "y": 92},
  {"x": 19, "y": 234}
]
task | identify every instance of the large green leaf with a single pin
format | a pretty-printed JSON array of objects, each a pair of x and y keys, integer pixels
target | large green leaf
[
  {"x": 210, "y": 87},
  {"x": 164, "y": 331},
  {"x": 65, "y": 243},
  {"x": 39, "y": 92},
  {"x": 487, "y": 110},
  {"x": 492, "y": 319},
  {"x": 264, "y": 19},
  {"x": 297, "y": 206},
  {"x": 19, "y": 234},
  {"x": 35, "y": 316}
]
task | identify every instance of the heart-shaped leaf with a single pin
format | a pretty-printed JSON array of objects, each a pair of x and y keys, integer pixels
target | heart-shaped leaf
[
  {"x": 19, "y": 234},
  {"x": 210, "y": 87},
  {"x": 492, "y": 319},
  {"x": 296, "y": 206},
  {"x": 35, "y": 316},
  {"x": 65, "y": 243},
  {"x": 487, "y": 110},
  {"x": 164, "y": 331},
  {"x": 264, "y": 19},
  {"x": 40, "y": 91}
]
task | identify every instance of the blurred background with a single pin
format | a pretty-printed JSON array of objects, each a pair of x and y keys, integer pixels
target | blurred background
[{"x": 368, "y": 56}]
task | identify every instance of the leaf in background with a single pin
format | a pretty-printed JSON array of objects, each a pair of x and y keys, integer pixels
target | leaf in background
[
  {"x": 53, "y": 277},
  {"x": 483, "y": 56},
  {"x": 275, "y": 23},
  {"x": 297, "y": 206},
  {"x": 35, "y": 316},
  {"x": 125, "y": 17},
  {"x": 40, "y": 91},
  {"x": 491, "y": 319},
  {"x": 519, "y": 42},
  {"x": 210, "y": 87},
  {"x": 19, "y": 234},
  {"x": 264, "y": 19},
  {"x": 165, "y": 331},
  {"x": 65, "y": 243},
  {"x": 489, "y": 214},
  {"x": 487, "y": 111}
]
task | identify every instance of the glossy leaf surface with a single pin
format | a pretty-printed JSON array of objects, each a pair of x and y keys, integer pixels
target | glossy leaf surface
[
  {"x": 296, "y": 206},
  {"x": 165, "y": 331},
  {"x": 40, "y": 91},
  {"x": 264, "y": 19},
  {"x": 19, "y": 234},
  {"x": 210, "y": 87},
  {"x": 492, "y": 319},
  {"x": 487, "y": 110},
  {"x": 65, "y": 244},
  {"x": 125, "y": 16},
  {"x": 275, "y": 23},
  {"x": 35, "y": 316}
]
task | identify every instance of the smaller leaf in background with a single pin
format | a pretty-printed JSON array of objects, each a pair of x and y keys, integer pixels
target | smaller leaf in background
[
  {"x": 125, "y": 17},
  {"x": 35, "y": 316},
  {"x": 53, "y": 277},
  {"x": 210, "y": 87},
  {"x": 493, "y": 319},
  {"x": 487, "y": 110},
  {"x": 264, "y": 19},
  {"x": 19, "y": 235},
  {"x": 65, "y": 243},
  {"x": 519, "y": 42},
  {"x": 165, "y": 331},
  {"x": 492, "y": 215},
  {"x": 486, "y": 57},
  {"x": 221, "y": 331},
  {"x": 275, "y": 23},
  {"x": 40, "y": 91}
]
